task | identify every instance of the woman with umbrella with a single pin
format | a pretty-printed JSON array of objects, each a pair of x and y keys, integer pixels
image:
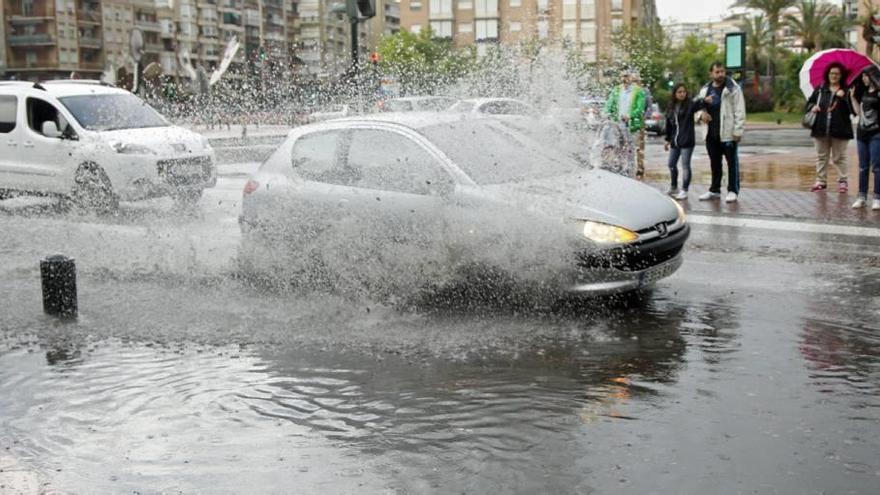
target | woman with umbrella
[
  {"x": 866, "y": 100},
  {"x": 831, "y": 129}
]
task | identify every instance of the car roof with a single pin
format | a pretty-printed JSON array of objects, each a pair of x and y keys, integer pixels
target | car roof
[
  {"x": 64, "y": 87},
  {"x": 480, "y": 101},
  {"x": 413, "y": 120},
  {"x": 420, "y": 98}
]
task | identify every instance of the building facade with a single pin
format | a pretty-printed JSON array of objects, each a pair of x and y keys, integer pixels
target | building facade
[{"x": 587, "y": 23}]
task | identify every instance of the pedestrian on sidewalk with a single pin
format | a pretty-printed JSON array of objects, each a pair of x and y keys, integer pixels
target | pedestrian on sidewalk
[
  {"x": 832, "y": 129},
  {"x": 724, "y": 120},
  {"x": 680, "y": 138},
  {"x": 626, "y": 105},
  {"x": 866, "y": 100},
  {"x": 642, "y": 136}
]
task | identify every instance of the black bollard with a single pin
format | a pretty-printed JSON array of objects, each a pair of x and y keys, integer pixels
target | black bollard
[{"x": 58, "y": 273}]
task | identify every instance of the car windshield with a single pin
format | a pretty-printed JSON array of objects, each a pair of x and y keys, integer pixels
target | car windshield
[
  {"x": 109, "y": 112},
  {"x": 491, "y": 154}
]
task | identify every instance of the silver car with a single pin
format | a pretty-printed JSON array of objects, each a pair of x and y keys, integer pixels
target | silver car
[{"x": 408, "y": 201}]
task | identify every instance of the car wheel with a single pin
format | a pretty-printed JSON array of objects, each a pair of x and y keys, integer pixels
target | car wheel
[
  {"x": 187, "y": 198},
  {"x": 92, "y": 190}
]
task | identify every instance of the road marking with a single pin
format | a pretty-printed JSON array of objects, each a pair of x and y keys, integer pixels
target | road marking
[{"x": 785, "y": 225}]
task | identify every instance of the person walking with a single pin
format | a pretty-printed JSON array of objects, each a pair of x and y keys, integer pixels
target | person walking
[
  {"x": 866, "y": 100},
  {"x": 725, "y": 120},
  {"x": 832, "y": 128},
  {"x": 642, "y": 136},
  {"x": 626, "y": 105},
  {"x": 680, "y": 138}
]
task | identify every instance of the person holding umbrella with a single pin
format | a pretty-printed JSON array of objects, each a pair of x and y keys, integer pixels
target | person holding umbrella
[
  {"x": 866, "y": 99},
  {"x": 832, "y": 128}
]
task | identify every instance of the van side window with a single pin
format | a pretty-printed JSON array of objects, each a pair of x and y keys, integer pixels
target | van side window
[
  {"x": 39, "y": 111},
  {"x": 8, "y": 112}
]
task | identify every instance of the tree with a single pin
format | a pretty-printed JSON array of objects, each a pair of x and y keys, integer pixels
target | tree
[
  {"x": 690, "y": 63},
  {"x": 773, "y": 9},
  {"x": 757, "y": 32},
  {"x": 645, "y": 48},
  {"x": 866, "y": 22},
  {"x": 818, "y": 25},
  {"x": 422, "y": 63}
]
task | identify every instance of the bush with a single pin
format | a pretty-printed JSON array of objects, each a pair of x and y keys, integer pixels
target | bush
[{"x": 757, "y": 100}]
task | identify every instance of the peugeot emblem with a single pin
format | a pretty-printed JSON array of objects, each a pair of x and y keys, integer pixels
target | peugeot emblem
[{"x": 662, "y": 229}]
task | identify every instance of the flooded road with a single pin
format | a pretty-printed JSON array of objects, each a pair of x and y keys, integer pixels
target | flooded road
[{"x": 755, "y": 369}]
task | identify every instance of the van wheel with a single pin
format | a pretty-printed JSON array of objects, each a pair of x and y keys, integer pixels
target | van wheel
[
  {"x": 187, "y": 198},
  {"x": 92, "y": 190}
]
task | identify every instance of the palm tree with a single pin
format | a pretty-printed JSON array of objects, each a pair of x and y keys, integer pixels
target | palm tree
[
  {"x": 773, "y": 9},
  {"x": 757, "y": 38},
  {"x": 867, "y": 24},
  {"x": 818, "y": 25}
]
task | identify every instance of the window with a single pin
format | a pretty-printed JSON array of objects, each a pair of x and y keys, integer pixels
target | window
[
  {"x": 543, "y": 5},
  {"x": 8, "y": 112},
  {"x": 515, "y": 27},
  {"x": 569, "y": 9},
  {"x": 588, "y": 9},
  {"x": 616, "y": 25},
  {"x": 415, "y": 5},
  {"x": 487, "y": 29},
  {"x": 465, "y": 4},
  {"x": 441, "y": 29},
  {"x": 314, "y": 158},
  {"x": 30, "y": 59},
  {"x": 588, "y": 32},
  {"x": 415, "y": 29},
  {"x": 39, "y": 111},
  {"x": 441, "y": 8},
  {"x": 616, "y": 5},
  {"x": 515, "y": 3},
  {"x": 569, "y": 30},
  {"x": 391, "y": 162},
  {"x": 487, "y": 8},
  {"x": 465, "y": 27}
]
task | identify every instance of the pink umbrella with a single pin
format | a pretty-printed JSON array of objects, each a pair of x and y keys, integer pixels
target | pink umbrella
[{"x": 812, "y": 74}]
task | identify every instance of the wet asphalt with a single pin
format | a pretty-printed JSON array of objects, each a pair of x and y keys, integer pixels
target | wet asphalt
[{"x": 754, "y": 369}]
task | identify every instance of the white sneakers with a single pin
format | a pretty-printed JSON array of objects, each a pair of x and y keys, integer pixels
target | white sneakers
[
  {"x": 875, "y": 205},
  {"x": 731, "y": 197},
  {"x": 860, "y": 203},
  {"x": 709, "y": 195},
  {"x": 683, "y": 194}
]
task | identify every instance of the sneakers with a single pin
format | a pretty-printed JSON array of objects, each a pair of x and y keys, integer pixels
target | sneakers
[
  {"x": 875, "y": 205},
  {"x": 709, "y": 195},
  {"x": 860, "y": 203},
  {"x": 818, "y": 186},
  {"x": 683, "y": 194},
  {"x": 843, "y": 187},
  {"x": 670, "y": 190},
  {"x": 731, "y": 197}
]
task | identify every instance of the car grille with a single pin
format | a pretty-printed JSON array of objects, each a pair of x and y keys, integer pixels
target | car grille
[
  {"x": 639, "y": 256},
  {"x": 185, "y": 171}
]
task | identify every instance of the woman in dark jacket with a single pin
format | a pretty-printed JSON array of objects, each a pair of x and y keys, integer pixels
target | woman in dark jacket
[
  {"x": 866, "y": 99},
  {"x": 832, "y": 130},
  {"x": 680, "y": 138}
]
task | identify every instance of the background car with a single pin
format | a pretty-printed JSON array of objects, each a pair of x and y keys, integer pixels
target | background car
[
  {"x": 413, "y": 200},
  {"x": 656, "y": 121},
  {"x": 331, "y": 112},
  {"x": 97, "y": 144},
  {"x": 493, "y": 106},
  {"x": 417, "y": 104}
]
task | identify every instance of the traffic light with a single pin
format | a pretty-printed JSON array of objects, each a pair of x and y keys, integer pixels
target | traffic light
[
  {"x": 670, "y": 83},
  {"x": 367, "y": 8}
]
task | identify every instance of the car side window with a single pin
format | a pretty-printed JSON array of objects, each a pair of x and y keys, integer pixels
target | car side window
[
  {"x": 505, "y": 108},
  {"x": 392, "y": 162},
  {"x": 8, "y": 112},
  {"x": 314, "y": 156},
  {"x": 39, "y": 111}
]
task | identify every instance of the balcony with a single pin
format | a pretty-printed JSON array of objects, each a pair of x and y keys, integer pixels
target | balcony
[
  {"x": 147, "y": 25},
  {"x": 42, "y": 39},
  {"x": 21, "y": 20},
  {"x": 274, "y": 4},
  {"x": 89, "y": 16},
  {"x": 91, "y": 42},
  {"x": 153, "y": 47}
]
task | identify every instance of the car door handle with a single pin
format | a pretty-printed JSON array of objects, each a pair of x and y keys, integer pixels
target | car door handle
[
  {"x": 28, "y": 144},
  {"x": 11, "y": 143}
]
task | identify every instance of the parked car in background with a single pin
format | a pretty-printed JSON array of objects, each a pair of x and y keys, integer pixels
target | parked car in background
[
  {"x": 417, "y": 104},
  {"x": 422, "y": 195},
  {"x": 331, "y": 112},
  {"x": 656, "y": 121},
  {"x": 493, "y": 106},
  {"x": 96, "y": 145}
]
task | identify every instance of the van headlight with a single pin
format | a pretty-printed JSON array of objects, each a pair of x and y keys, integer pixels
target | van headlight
[
  {"x": 131, "y": 149},
  {"x": 602, "y": 233}
]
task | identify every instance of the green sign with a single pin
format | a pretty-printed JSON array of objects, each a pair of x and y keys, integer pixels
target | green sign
[{"x": 734, "y": 50}]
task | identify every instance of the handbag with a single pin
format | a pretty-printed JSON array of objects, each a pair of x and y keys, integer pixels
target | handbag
[{"x": 809, "y": 119}]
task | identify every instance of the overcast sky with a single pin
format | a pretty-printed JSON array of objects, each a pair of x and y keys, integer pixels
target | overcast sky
[{"x": 692, "y": 10}]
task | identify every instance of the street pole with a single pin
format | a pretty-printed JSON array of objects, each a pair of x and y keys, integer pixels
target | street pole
[{"x": 353, "y": 21}]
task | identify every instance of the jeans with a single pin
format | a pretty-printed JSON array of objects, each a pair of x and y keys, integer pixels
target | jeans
[
  {"x": 728, "y": 150},
  {"x": 685, "y": 154},
  {"x": 869, "y": 157}
]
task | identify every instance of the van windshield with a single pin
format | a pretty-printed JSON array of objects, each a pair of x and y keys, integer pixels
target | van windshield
[{"x": 110, "y": 112}]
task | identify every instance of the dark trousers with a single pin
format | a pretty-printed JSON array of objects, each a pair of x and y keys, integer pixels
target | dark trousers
[
  {"x": 869, "y": 158},
  {"x": 685, "y": 155},
  {"x": 728, "y": 151}
]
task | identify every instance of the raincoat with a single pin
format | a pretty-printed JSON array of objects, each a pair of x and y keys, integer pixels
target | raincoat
[{"x": 636, "y": 110}]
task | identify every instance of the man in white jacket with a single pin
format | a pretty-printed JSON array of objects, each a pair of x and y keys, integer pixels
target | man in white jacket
[{"x": 724, "y": 122}]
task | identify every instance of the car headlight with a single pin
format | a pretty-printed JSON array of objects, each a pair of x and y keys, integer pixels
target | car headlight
[
  {"x": 131, "y": 149},
  {"x": 681, "y": 215},
  {"x": 603, "y": 233}
]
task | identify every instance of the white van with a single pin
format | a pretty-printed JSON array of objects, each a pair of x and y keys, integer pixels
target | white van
[{"x": 96, "y": 145}]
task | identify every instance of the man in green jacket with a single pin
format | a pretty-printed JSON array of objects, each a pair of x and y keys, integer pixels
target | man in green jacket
[{"x": 626, "y": 104}]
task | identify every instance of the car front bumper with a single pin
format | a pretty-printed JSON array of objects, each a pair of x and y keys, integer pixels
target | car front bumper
[{"x": 148, "y": 178}]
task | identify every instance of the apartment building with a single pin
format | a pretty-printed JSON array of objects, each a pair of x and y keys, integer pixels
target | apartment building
[{"x": 587, "y": 23}]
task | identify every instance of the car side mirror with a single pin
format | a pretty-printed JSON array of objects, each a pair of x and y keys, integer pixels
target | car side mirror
[
  {"x": 50, "y": 129},
  {"x": 69, "y": 133}
]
